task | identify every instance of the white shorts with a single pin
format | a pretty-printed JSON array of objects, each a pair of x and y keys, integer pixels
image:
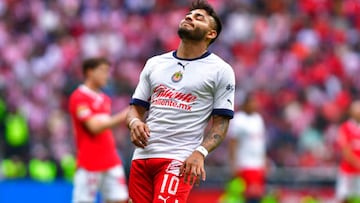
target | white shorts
[
  {"x": 111, "y": 184},
  {"x": 347, "y": 185}
]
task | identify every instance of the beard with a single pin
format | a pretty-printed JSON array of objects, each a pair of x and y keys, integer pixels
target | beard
[{"x": 195, "y": 35}]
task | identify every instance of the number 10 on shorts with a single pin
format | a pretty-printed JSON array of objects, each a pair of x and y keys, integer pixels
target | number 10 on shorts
[{"x": 172, "y": 184}]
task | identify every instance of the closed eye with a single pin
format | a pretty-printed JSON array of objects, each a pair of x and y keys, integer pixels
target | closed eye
[{"x": 199, "y": 16}]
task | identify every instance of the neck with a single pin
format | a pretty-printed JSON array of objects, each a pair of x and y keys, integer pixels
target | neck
[
  {"x": 191, "y": 49},
  {"x": 92, "y": 86}
]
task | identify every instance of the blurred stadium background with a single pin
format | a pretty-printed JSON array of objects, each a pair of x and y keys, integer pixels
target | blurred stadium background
[{"x": 301, "y": 58}]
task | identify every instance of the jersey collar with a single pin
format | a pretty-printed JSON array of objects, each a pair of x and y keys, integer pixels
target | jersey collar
[
  {"x": 207, "y": 53},
  {"x": 86, "y": 90}
]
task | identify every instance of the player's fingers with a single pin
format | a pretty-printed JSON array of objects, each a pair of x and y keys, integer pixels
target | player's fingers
[
  {"x": 133, "y": 137},
  {"x": 203, "y": 174},
  {"x": 141, "y": 144},
  {"x": 139, "y": 135},
  {"x": 136, "y": 139},
  {"x": 147, "y": 131},
  {"x": 142, "y": 139},
  {"x": 185, "y": 177},
  {"x": 197, "y": 180},
  {"x": 187, "y": 172},
  {"x": 138, "y": 143},
  {"x": 193, "y": 176},
  {"x": 141, "y": 131}
]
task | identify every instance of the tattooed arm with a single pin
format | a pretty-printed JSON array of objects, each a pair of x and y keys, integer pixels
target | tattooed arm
[
  {"x": 193, "y": 167},
  {"x": 217, "y": 133}
]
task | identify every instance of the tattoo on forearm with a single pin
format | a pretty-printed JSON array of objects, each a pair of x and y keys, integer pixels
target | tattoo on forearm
[
  {"x": 214, "y": 141},
  {"x": 217, "y": 133}
]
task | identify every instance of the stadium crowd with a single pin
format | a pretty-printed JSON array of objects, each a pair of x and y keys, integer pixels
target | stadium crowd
[{"x": 300, "y": 58}]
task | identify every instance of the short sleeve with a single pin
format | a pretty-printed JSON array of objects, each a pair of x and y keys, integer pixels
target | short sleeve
[
  {"x": 224, "y": 93},
  {"x": 142, "y": 92},
  {"x": 83, "y": 111}
]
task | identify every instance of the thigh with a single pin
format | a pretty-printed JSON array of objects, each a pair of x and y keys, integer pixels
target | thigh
[
  {"x": 169, "y": 187},
  {"x": 113, "y": 187},
  {"x": 86, "y": 185},
  {"x": 140, "y": 182}
]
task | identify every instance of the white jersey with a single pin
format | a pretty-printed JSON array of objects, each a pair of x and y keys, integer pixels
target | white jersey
[
  {"x": 249, "y": 132},
  {"x": 181, "y": 95}
]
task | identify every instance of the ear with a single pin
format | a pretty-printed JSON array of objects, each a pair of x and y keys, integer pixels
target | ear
[{"x": 211, "y": 34}]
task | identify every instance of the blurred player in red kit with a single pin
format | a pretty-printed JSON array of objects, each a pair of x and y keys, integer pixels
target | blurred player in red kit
[
  {"x": 348, "y": 179},
  {"x": 181, "y": 90},
  {"x": 99, "y": 166},
  {"x": 248, "y": 149}
]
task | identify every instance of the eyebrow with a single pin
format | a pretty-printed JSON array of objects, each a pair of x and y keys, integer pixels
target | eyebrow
[{"x": 196, "y": 14}]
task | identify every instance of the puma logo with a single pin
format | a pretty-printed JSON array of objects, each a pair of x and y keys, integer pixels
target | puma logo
[
  {"x": 182, "y": 65},
  {"x": 163, "y": 199}
]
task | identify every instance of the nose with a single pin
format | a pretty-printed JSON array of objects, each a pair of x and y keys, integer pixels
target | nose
[{"x": 188, "y": 17}]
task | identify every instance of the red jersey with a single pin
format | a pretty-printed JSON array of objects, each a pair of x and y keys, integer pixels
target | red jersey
[
  {"x": 349, "y": 136},
  {"x": 94, "y": 152}
]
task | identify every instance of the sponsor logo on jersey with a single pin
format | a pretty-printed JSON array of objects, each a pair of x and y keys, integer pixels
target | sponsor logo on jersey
[
  {"x": 177, "y": 76},
  {"x": 165, "y": 96},
  {"x": 162, "y": 91}
]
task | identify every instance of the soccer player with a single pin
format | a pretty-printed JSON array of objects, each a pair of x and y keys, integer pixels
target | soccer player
[
  {"x": 99, "y": 166},
  {"x": 348, "y": 179},
  {"x": 181, "y": 90},
  {"x": 247, "y": 149}
]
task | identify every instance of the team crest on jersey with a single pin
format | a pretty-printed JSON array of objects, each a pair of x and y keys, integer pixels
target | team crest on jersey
[{"x": 177, "y": 76}]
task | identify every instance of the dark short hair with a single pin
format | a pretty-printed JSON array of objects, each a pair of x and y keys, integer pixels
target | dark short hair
[
  {"x": 93, "y": 63},
  {"x": 203, "y": 4}
]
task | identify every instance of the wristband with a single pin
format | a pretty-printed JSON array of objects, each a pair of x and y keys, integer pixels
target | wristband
[
  {"x": 132, "y": 121},
  {"x": 202, "y": 150}
]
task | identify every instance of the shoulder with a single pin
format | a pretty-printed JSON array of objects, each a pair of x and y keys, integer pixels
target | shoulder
[
  {"x": 75, "y": 95},
  {"x": 159, "y": 58},
  {"x": 79, "y": 96},
  {"x": 75, "y": 99},
  {"x": 221, "y": 67},
  {"x": 214, "y": 58}
]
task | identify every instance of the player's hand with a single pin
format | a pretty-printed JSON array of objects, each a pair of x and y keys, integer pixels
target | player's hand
[
  {"x": 139, "y": 134},
  {"x": 193, "y": 169}
]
